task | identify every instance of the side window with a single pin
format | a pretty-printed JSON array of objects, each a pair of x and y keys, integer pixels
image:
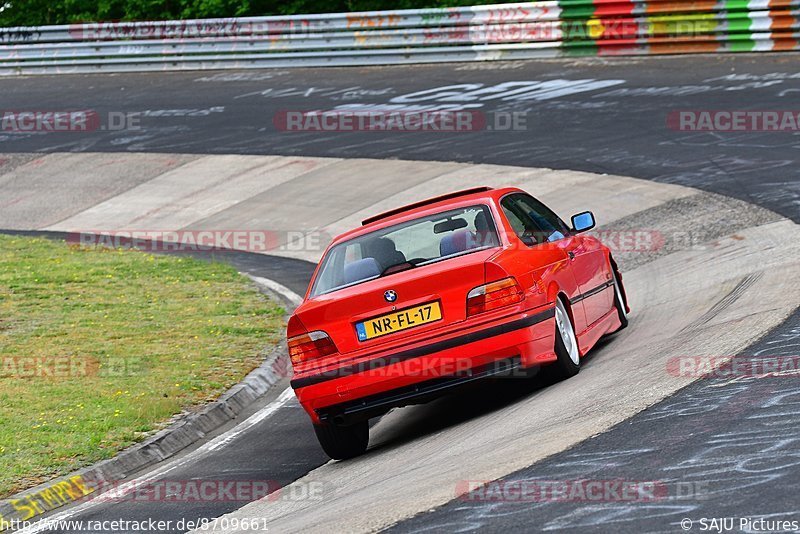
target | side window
[
  {"x": 553, "y": 227},
  {"x": 532, "y": 221},
  {"x": 515, "y": 220},
  {"x": 353, "y": 252},
  {"x": 520, "y": 221}
]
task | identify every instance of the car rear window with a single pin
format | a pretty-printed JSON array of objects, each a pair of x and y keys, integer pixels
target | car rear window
[{"x": 406, "y": 246}]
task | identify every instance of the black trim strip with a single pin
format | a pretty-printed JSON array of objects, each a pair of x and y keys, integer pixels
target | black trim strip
[
  {"x": 592, "y": 292},
  {"x": 418, "y": 352},
  {"x": 373, "y": 405}
]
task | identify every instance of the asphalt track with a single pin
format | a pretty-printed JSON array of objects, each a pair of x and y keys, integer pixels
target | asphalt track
[
  {"x": 618, "y": 129},
  {"x": 731, "y": 445}
]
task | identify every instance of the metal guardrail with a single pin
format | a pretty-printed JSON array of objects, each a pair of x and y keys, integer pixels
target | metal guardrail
[{"x": 552, "y": 28}]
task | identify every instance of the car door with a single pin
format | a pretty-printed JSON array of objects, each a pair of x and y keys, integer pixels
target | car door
[
  {"x": 546, "y": 249},
  {"x": 589, "y": 265},
  {"x": 592, "y": 274},
  {"x": 584, "y": 254}
]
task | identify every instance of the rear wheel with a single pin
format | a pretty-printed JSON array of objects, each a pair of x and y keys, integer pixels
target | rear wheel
[
  {"x": 568, "y": 361},
  {"x": 343, "y": 442},
  {"x": 619, "y": 302}
]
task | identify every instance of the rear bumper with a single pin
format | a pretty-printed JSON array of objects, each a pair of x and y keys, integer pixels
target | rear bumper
[
  {"x": 409, "y": 375},
  {"x": 375, "y": 405}
]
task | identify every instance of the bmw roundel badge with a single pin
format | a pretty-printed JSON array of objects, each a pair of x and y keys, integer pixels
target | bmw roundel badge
[{"x": 390, "y": 296}]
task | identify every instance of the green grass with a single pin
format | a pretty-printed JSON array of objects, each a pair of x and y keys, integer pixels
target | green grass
[{"x": 147, "y": 337}]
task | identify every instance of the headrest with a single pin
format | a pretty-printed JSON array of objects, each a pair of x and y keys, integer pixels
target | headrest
[
  {"x": 481, "y": 224},
  {"x": 361, "y": 270},
  {"x": 456, "y": 242}
]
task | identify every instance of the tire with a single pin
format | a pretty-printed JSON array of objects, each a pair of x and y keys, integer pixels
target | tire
[
  {"x": 619, "y": 302},
  {"x": 568, "y": 363},
  {"x": 343, "y": 442}
]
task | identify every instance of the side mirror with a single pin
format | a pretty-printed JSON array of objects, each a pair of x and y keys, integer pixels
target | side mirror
[{"x": 583, "y": 222}]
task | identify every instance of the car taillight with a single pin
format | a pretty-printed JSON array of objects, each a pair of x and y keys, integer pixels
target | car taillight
[
  {"x": 495, "y": 295},
  {"x": 310, "y": 346}
]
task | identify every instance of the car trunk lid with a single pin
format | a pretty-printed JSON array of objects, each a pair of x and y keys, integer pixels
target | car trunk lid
[{"x": 417, "y": 290}]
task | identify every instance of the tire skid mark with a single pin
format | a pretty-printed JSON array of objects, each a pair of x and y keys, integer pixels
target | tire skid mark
[{"x": 725, "y": 302}]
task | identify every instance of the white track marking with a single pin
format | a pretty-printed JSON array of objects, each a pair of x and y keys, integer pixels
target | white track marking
[
  {"x": 253, "y": 420},
  {"x": 280, "y": 289},
  {"x": 215, "y": 444},
  {"x": 219, "y": 442}
]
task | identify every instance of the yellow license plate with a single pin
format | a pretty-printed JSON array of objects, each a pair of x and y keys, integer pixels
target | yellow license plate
[{"x": 399, "y": 321}]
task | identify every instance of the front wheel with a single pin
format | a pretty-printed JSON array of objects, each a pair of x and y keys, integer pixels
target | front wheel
[
  {"x": 343, "y": 442},
  {"x": 568, "y": 362}
]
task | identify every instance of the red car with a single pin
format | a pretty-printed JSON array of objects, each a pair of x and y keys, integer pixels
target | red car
[{"x": 441, "y": 293}]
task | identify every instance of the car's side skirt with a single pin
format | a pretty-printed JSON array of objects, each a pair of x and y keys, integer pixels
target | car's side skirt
[{"x": 606, "y": 324}]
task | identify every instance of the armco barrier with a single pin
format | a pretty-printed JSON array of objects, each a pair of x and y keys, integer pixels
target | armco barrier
[{"x": 503, "y": 31}]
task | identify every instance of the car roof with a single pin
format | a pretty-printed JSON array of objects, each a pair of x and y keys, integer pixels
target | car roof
[{"x": 431, "y": 206}]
